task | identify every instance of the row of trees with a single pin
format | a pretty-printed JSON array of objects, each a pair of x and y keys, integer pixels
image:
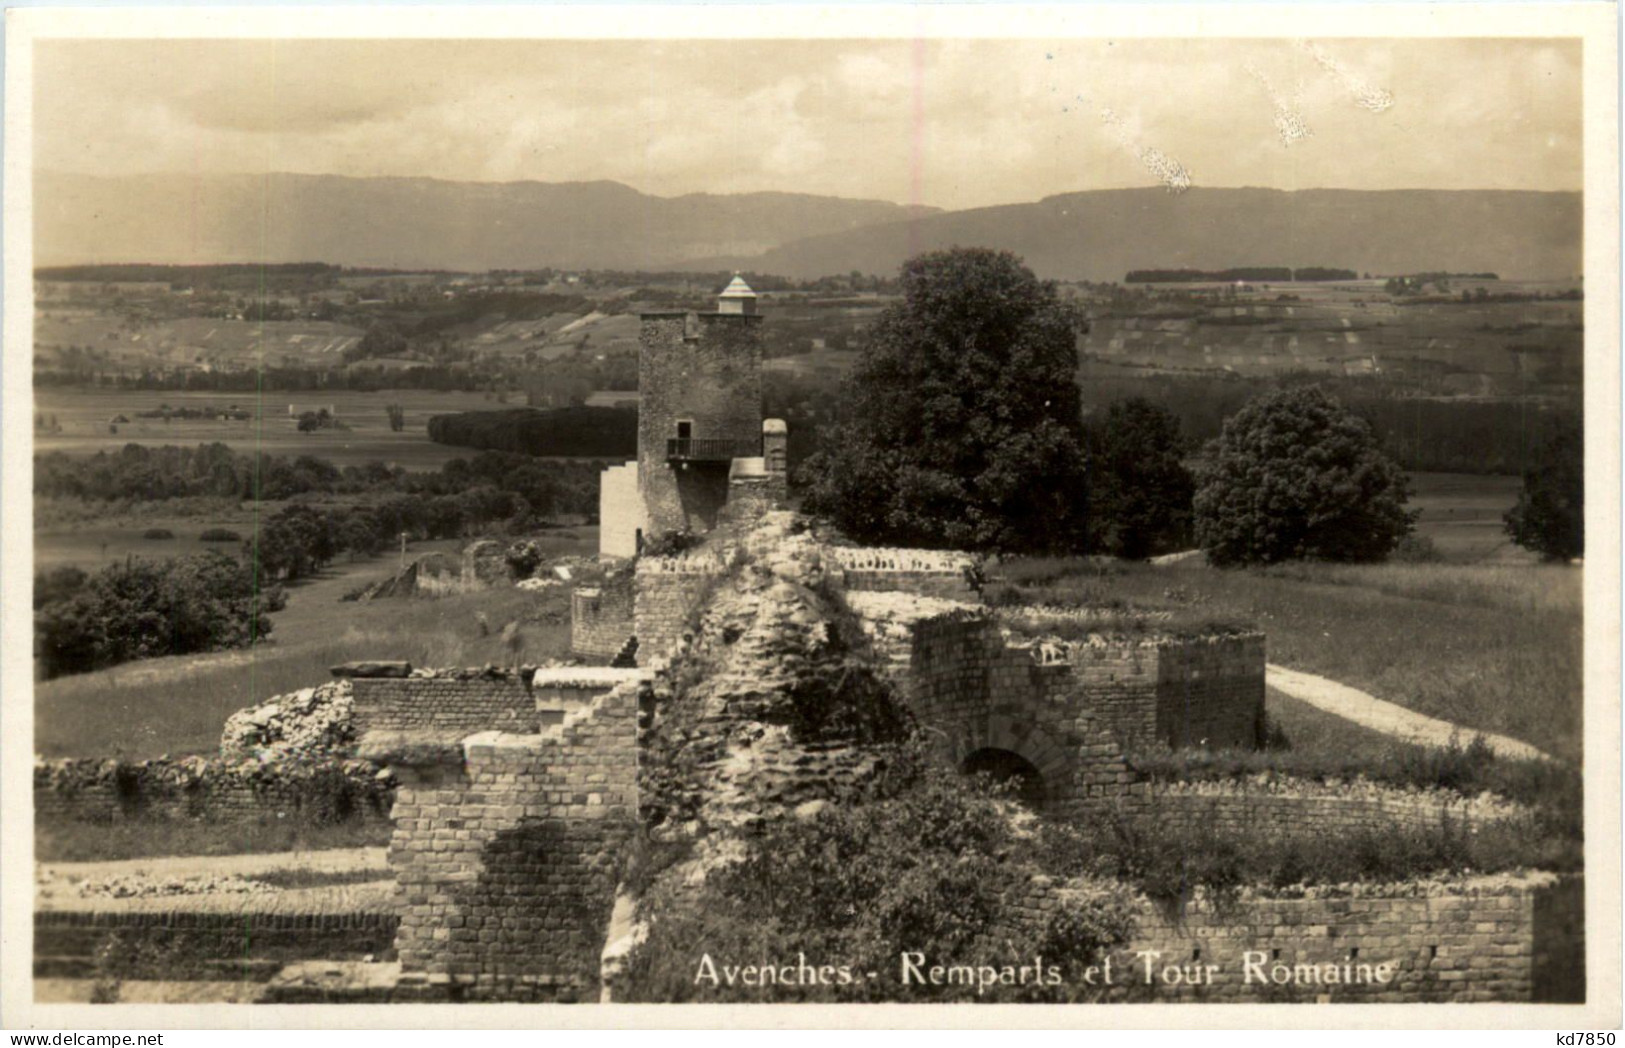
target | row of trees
[
  {"x": 962, "y": 429},
  {"x": 137, "y": 472}
]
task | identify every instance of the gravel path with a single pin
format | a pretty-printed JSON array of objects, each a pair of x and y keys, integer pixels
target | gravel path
[{"x": 1368, "y": 711}]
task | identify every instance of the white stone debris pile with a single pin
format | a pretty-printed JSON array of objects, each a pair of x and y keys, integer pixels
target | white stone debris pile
[{"x": 304, "y": 725}]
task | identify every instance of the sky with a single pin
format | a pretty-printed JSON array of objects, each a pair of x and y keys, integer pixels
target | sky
[{"x": 948, "y": 123}]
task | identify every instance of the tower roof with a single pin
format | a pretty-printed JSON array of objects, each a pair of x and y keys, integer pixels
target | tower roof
[{"x": 737, "y": 288}]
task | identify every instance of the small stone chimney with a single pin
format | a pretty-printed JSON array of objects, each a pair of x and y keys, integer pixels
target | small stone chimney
[{"x": 775, "y": 445}]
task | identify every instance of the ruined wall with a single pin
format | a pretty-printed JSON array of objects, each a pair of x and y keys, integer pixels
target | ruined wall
[
  {"x": 1463, "y": 941},
  {"x": 620, "y": 512},
  {"x": 1285, "y": 807},
  {"x": 508, "y": 859},
  {"x": 1477, "y": 942},
  {"x": 601, "y": 617},
  {"x": 926, "y": 573},
  {"x": 706, "y": 369},
  {"x": 1210, "y": 691},
  {"x": 194, "y": 944},
  {"x": 91, "y": 790}
]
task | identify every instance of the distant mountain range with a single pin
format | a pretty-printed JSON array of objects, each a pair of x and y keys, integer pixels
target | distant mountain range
[
  {"x": 417, "y": 222},
  {"x": 1096, "y": 235}
]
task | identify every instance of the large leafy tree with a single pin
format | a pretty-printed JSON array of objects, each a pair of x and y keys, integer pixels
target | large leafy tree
[
  {"x": 961, "y": 426},
  {"x": 1139, "y": 488},
  {"x": 1295, "y": 475},
  {"x": 1550, "y": 515}
]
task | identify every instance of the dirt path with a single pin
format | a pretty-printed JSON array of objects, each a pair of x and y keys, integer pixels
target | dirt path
[
  {"x": 328, "y": 860},
  {"x": 1368, "y": 711}
]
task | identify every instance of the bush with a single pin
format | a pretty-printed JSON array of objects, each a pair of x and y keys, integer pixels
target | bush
[
  {"x": 157, "y": 533},
  {"x": 1294, "y": 475},
  {"x": 1549, "y": 517},
  {"x": 219, "y": 535},
  {"x": 1416, "y": 549},
  {"x": 671, "y": 543}
]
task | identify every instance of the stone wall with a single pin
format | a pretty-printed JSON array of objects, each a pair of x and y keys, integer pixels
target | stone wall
[
  {"x": 1073, "y": 709},
  {"x": 193, "y": 944},
  {"x": 90, "y": 790},
  {"x": 668, "y": 591},
  {"x": 1283, "y": 807},
  {"x": 1478, "y": 941},
  {"x": 923, "y": 572},
  {"x": 508, "y": 858},
  {"x": 620, "y": 512},
  {"x": 601, "y": 617}
]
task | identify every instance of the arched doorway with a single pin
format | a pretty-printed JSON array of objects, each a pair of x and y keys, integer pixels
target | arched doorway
[{"x": 1008, "y": 766}]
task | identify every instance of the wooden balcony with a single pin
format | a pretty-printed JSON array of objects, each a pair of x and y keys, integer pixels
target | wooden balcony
[{"x": 709, "y": 449}]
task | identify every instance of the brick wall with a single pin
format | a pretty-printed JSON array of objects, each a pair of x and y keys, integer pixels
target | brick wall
[
  {"x": 1283, "y": 807},
  {"x": 508, "y": 860},
  {"x": 1070, "y": 708},
  {"x": 447, "y": 707},
  {"x": 601, "y": 617},
  {"x": 926, "y": 573}
]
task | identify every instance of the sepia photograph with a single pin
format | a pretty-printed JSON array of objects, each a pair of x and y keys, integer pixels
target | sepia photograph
[{"x": 785, "y": 507}]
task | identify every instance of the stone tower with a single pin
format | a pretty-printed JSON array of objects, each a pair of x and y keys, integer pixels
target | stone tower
[{"x": 702, "y": 442}]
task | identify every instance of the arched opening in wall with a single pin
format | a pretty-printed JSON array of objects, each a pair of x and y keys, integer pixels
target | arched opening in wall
[{"x": 1008, "y": 766}]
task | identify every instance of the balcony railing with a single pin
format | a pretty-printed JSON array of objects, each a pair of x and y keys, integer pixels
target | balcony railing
[{"x": 709, "y": 449}]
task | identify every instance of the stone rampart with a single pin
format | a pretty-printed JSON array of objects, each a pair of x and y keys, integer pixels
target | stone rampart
[
  {"x": 508, "y": 852},
  {"x": 1504, "y": 938}
]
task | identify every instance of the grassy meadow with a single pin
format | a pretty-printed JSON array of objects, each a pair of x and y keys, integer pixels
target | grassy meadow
[{"x": 178, "y": 705}]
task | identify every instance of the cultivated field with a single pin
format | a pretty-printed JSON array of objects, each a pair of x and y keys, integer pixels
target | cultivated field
[{"x": 84, "y": 418}]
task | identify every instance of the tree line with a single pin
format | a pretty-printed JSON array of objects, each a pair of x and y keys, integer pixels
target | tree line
[
  {"x": 961, "y": 428},
  {"x": 137, "y": 472},
  {"x": 570, "y": 432},
  {"x": 1250, "y": 274}
]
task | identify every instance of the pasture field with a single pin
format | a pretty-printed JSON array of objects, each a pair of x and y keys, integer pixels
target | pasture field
[
  {"x": 1496, "y": 647},
  {"x": 1462, "y": 516},
  {"x": 177, "y": 705}
]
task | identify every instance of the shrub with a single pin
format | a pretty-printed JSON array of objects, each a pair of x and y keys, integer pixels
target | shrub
[
  {"x": 157, "y": 533},
  {"x": 1416, "y": 549},
  {"x": 523, "y": 558},
  {"x": 1294, "y": 475},
  {"x": 219, "y": 535},
  {"x": 1549, "y": 517},
  {"x": 671, "y": 543}
]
